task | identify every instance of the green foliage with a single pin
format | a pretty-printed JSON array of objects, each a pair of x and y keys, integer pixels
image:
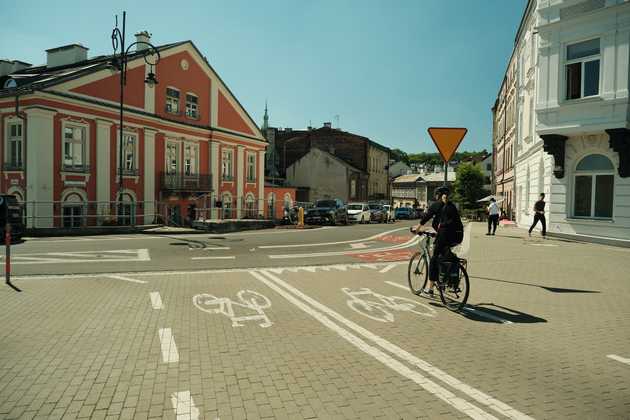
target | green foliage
[
  {"x": 469, "y": 185},
  {"x": 434, "y": 159},
  {"x": 399, "y": 156}
]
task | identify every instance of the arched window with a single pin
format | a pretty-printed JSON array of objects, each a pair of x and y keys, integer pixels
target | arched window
[
  {"x": 73, "y": 211},
  {"x": 593, "y": 187},
  {"x": 127, "y": 215},
  {"x": 227, "y": 206},
  {"x": 250, "y": 207},
  {"x": 271, "y": 205}
]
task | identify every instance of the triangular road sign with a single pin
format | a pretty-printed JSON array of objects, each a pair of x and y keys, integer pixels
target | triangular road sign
[{"x": 447, "y": 139}]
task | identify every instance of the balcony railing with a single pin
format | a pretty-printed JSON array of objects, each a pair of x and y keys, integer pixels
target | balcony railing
[
  {"x": 178, "y": 182},
  {"x": 130, "y": 172},
  {"x": 13, "y": 166},
  {"x": 82, "y": 169}
]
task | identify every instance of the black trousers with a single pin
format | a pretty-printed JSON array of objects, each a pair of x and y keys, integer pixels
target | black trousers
[
  {"x": 493, "y": 221},
  {"x": 541, "y": 217},
  {"x": 440, "y": 246}
]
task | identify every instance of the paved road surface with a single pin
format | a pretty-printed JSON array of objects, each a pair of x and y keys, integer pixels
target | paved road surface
[{"x": 545, "y": 336}]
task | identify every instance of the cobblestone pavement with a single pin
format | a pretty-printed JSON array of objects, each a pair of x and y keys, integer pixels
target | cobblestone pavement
[{"x": 294, "y": 342}]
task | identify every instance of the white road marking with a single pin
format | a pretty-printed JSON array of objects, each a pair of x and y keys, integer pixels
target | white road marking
[
  {"x": 359, "y": 245},
  {"x": 386, "y": 269},
  {"x": 156, "y": 300},
  {"x": 125, "y": 279},
  {"x": 119, "y": 255},
  {"x": 407, "y": 244},
  {"x": 184, "y": 406},
  {"x": 543, "y": 245},
  {"x": 211, "y": 248},
  {"x": 334, "y": 243},
  {"x": 487, "y": 315},
  {"x": 473, "y": 393},
  {"x": 169, "y": 349},
  {"x": 276, "y": 270},
  {"x": 227, "y": 257},
  {"x": 400, "y": 286},
  {"x": 619, "y": 359},
  {"x": 430, "y": 386},
  {"x": 250, "y": 302}
]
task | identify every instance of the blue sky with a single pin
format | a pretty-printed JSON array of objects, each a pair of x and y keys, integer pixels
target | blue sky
[{"x": 389, "y": 69}]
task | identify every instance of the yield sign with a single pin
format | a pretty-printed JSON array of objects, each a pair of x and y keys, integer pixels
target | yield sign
[{"x": 447, "y": 140}]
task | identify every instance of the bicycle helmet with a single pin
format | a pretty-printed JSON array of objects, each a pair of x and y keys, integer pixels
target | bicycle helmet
[{"x": 442, "y": 190}]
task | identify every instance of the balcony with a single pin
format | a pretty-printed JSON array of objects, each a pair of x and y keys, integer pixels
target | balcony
[
  {"x": 178, "y": 182},
  {"x": 80, "y": 169},
  {"x": 129, "y": 172}
]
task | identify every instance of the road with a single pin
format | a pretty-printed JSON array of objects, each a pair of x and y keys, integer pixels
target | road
[
  {"x": 268, "y": 248},
  {"x": 545, "y": 334}
]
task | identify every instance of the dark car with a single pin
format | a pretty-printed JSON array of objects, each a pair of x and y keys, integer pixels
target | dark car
[
  {"x": 402, "y": 213},
  {"x": 377, "y": 213},
  {"x": 11, "y": 208},
  {"x": 327, "y": 211}
]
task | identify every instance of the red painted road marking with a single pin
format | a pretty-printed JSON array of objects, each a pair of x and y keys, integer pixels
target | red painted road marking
[
  {"x": 394, "y": 239},
  {"x": 396, "y": 255}
]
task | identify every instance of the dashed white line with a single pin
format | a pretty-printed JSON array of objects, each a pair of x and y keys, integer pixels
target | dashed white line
[
  {"x": 184, "y": 406},
  {"x": 227, "y": 257},
  {"x": 430, "y": 386},
  {"x": 211, "y": 248},
  {"x": 487, "y": 315},
  {"x": 333, "y": 243},
  {"x": 619, "y": 359},
  {"x": 471, "y": 410},
  {"x": 400, "y": 286},
  {"x": 169, "y": 349},
  {"x": 126, "y": 279},
  {"x": 156, "y": 300},
  {"x": 387, "y": 268}
]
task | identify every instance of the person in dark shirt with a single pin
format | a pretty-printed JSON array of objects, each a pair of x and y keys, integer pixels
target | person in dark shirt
[
  {"x": 449, "y": 228},
  {"x": 539, "y": 214}
]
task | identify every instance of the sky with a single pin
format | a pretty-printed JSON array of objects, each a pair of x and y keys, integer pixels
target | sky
[{"x": 389, "y": 69}]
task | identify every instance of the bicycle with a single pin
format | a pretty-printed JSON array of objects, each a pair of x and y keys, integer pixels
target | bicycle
[{"x": 452, "y": 284}]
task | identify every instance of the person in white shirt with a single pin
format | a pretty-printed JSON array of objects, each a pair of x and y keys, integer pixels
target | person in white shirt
[{"x": 493, "y": 216}]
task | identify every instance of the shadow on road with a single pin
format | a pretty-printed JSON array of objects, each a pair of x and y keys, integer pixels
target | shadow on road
[
  {"x": 549, "y": 289},
  {"x": 488, "y": 312}
]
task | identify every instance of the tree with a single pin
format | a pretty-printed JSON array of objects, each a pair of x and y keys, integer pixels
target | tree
[
  {"x": 399, "y": 156},
  {"x": 469, "y": 185}
]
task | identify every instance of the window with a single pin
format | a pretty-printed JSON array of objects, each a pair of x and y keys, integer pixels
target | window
[
  {"x": 172, "y": 101},
  {"x": 74, "y": 145},
  {"x": 73, "y": 209},
  {"x": 227, "y": 206},
  {"x": 130, "y": 143},
  {"x": 192, "y": 108},
  {"x": 250, "y": 207},
  {"x": 582, "y": 69},
  {"x": 127, "y": 211},
  {"x": 594, "y": 187},
  {"x": 251, "y": 167},
  {"x": 14, "y": 153},
  {"x": 226, "y": 164},
  {"x": 172, "y": 154},
  {"x": 271, "y": 205},
  {"x": 190, "y": 159}
]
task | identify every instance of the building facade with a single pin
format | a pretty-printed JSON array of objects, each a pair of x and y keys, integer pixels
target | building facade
[
  {"x": 187, "y": 141},
  {"x": 582, "y": 109}
]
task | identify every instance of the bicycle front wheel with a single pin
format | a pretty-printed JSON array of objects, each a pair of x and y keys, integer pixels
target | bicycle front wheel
[
  {"x": 453, "y": 296},
  {"x": 418, "y": 273}
]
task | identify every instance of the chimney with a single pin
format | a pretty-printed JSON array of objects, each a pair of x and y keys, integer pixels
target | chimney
[
  {"x": 143, "y": 36},
  {"x": 8, "y": 67},
  {"x": 327, "y": 125},
  {"x": 68, "y": 54}
]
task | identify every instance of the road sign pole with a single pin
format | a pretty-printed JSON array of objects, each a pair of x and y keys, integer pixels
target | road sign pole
[{"x": 445, "y": 172}]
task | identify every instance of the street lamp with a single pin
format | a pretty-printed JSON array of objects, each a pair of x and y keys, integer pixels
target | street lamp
[{"x": 119, "y": 62}]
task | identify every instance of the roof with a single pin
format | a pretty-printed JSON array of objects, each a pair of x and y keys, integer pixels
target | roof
[
  {"x": 439, "y": 177},
  {"x": 330, "y": 155},
  {"x": 408, "y": 178},
  {"x": 333, "y": 131}
]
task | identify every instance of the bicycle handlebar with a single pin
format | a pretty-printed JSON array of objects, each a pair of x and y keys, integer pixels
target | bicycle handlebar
[{"x": 423, "y": 232}]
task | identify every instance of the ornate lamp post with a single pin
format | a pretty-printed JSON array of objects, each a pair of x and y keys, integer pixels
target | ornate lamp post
[{"x": 120, "y": 57}]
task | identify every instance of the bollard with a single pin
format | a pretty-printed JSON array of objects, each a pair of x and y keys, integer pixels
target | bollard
[
  {"x": 7, "y": 262},
  {"x": 300, "y": 218}
]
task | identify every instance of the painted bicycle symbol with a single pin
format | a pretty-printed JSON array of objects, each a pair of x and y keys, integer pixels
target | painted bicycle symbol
[
  {"x": 379, "y": 307},
  {"x": 250, "y": 308}
]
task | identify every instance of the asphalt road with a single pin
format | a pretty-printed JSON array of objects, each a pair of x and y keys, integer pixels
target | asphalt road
[{"x": 266, "y": 248}]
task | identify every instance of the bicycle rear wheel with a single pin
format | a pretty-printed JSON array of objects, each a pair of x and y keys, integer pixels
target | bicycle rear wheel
[
  {"x": 418, "y": 272},
  {"x": 454, "y": 298}
]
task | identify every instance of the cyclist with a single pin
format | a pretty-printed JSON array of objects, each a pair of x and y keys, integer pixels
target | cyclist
[{"x": 449, "y": 228}]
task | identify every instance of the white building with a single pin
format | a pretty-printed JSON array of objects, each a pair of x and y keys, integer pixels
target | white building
[{"x": 582, "y": 117}]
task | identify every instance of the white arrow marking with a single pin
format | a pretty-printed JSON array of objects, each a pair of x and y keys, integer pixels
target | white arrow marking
[
  {"x": 126, "y": 279},
  {"x": 360, "y": 245},
  {"x": 619, "y": 359}
]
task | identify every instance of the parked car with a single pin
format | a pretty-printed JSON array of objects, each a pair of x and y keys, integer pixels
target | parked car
[
  {"x": 377, "y": 214},
  {"x": 402, "y": 213},
  {"x": 327, "y": 211},
  {"x": 11, "y": 208},
  {"x": 390, "y": 213},
  {"x": 358, "y": 213}
]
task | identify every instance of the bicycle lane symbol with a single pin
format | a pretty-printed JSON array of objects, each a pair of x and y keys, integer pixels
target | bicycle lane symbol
[
  {"x": 380, "y": 307},
  {"x": 250, "y": 308}
]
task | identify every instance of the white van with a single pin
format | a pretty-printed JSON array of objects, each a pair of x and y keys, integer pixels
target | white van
[{"x": 358, "y": 212}]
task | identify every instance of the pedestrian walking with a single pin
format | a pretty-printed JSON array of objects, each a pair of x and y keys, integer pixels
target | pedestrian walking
[
  {"x": 539, "y": 214},
  {"x": 493, "y": 216}
]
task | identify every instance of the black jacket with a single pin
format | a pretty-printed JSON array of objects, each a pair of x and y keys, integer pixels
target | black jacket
[
  {"x": 433, "y": 211},
  {"x": 446, "y": 222}
]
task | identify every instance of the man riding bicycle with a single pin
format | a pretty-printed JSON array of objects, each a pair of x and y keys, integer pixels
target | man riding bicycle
[{"x": 449, "y": 228}]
